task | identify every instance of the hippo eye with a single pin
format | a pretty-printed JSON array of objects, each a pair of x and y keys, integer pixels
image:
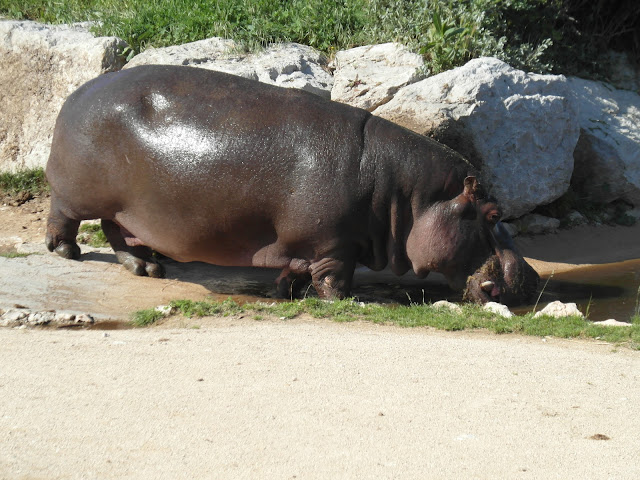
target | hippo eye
[{"x": 492, "y": 214}]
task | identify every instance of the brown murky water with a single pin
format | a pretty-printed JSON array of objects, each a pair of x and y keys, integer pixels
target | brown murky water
[{"x": 601, "y": 291}]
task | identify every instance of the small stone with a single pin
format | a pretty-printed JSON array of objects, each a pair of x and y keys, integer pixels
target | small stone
[
  {"x": 15, "y": 316},
  {"x": 165, "y": 310},
  {"x": 446, "y": 304},
  {"x": 558, "y": 309},
  {"x": 613, "y": 323},
  {"x": 41, "y": 318},
  {"x": 64, "y": 318},
  {"x": 84, "y": 318},
  {"x": 498, "y": 309}
]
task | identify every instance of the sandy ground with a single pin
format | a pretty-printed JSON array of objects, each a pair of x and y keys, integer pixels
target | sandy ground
[{"x": 240, "y": 398}]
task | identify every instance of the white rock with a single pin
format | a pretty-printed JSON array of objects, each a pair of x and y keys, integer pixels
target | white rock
[
  {"x": 165, "y": 310},
  {"x": 288, "y": 65},
  {"x": 446, "y": 304},
  {"x": 41, "y": 318},
  {"x": 14, "y": 316},
  {"x": 84, "y": 318},
  {"x": 558, "y": 309},
  {"x": 369, "y": 76},
  {"x": 613, "y": 323},
  {"x": 498, "y": 309},
  {"x": 40, "y": 65},
  {"x": 607, "y": 157},
  {"x": 535, "y": 224},
  {"x": 64, "y": 318},
  {"x": 522, "y": 127}
]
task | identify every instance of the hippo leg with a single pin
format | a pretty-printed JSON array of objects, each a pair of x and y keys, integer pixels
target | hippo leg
[
  {"x": 291, "y": 284},
  {"x": 332, "y": 277},
  {"x": 137, "y": 259},
  {"x": 62, "y": 232}
]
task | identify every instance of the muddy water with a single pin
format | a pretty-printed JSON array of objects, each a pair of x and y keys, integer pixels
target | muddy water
[{"x": 602, "y": 291}]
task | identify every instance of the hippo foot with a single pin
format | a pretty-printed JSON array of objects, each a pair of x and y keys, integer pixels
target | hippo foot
[
  {"x": 330, "y": 288},
  {"x": 70, "y": 251},
  {"x": 140, "y": 267},
  {"x": 291, "y": 285}
]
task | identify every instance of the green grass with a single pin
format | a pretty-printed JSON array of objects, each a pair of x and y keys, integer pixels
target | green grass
[
  {"x": 32, "y": 181},
  {"x": 16, "y": 254},
  {"x": 92, "y": 234},
  {"x": 416, "y": 315},
  {"x": 563, "y": 36},
  {"x": 143, "y": 318}
]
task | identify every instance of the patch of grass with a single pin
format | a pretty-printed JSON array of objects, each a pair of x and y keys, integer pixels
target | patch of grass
[
  {"x": 417, "y": 315},
  {"x": 92, "y": 234},
  {"x": 565, "y": 36},
  {"x": 144, "y": 318},
  {"x": 16, "y": 254},
  {"x": 31, "y": 181}
]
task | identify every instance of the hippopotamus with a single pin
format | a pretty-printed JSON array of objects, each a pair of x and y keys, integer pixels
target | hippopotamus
[{"x": 205, "y": 166}]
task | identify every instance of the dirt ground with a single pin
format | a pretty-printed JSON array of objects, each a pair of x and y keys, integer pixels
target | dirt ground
[{"x": 240, "y": 398}]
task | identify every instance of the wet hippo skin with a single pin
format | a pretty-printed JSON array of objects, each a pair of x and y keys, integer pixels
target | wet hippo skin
[{"x": 206, "y": 166}]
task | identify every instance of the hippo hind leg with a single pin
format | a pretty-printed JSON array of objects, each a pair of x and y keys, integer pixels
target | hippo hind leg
[
  {"x": 62, "y": 232},
  {"x": 137, "y": 259}
]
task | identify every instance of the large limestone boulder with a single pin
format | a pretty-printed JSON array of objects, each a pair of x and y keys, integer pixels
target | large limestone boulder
[
  {"x": 607, "y": 158},
  {"x": 40, "y": 65},
  {"x": 287, "y": 65},
  {"x": 519, "y": 128},
  {"x": 369, "y": 76}
]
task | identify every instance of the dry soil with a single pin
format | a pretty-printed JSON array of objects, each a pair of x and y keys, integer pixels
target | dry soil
[{"x": 240, "y": 398}]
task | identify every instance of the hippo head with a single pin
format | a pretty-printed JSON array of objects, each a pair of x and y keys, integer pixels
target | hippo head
[
  {"x": 457, "y": 238},
  {"x": 505, "y": 278}
]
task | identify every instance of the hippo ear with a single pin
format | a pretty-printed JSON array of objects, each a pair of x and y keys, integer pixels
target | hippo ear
[{"x": 471, "y": 187}]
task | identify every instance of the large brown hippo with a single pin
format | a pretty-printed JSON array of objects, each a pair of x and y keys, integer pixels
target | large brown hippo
[{"x": 206, "y": 166}]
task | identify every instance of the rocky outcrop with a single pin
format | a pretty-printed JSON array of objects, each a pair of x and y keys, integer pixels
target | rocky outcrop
[
  {"x": 287, "y": 65},
  {"x": 607, "y": 157},
  {"x": 17, "y": 317},
  {"x": 368, "y": 77},
  {"x": 525, "y": 132},
  {"x": 519, "y": 128},
  {"x": 534, "y": 224},
  {"x": 40, "y": 66}
]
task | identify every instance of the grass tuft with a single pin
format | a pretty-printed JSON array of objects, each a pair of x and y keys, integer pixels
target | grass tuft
[
  {"x": 144, "y": 318},
  {"x": 31, "y": 181},
  {"x": 16, "y": 254},
  {"x": 92, "y": 234},
  {"x": 560, "y": 36},
  {"x": 472, "y": 317}
]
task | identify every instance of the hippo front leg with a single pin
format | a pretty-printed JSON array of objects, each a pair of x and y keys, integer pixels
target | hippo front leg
[
  {"x": 332, "y": 277},
  {"x": 137, "y": 259}
]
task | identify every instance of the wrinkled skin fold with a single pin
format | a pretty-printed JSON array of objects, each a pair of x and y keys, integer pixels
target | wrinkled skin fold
[{"x": 206, "y": 166}]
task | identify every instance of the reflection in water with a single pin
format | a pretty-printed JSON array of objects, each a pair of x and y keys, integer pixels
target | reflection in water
[{"x": 602, "y": 291}]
